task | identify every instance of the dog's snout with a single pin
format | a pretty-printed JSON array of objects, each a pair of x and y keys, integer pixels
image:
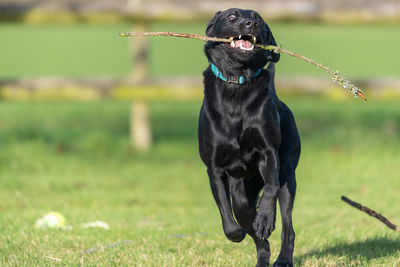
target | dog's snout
[{"x": 249, "y": 23}]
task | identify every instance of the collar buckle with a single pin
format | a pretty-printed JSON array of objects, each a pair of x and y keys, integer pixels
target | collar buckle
[{"x": 236, "y": 79}]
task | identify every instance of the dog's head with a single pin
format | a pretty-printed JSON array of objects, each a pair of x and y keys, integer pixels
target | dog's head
[{"x": 245, "y": 28}]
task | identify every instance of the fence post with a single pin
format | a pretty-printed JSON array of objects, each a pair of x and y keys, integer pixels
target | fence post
[
  {"x": 140, "y": 126},
  {"x": 140, "y": 129},
  {"x": 140, "y": 48}
]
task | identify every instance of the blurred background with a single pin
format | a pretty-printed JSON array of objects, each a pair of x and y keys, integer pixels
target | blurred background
[{"x": 99, "y": 127}]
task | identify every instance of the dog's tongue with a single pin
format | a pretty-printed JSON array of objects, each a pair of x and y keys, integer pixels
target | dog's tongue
[{"x": 245, "y": 43}]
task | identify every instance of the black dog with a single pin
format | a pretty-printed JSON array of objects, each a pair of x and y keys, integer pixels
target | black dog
[{"x": 247, "y": 137}]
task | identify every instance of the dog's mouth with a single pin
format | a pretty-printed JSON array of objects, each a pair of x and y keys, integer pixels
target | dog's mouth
[{"x": 244, "y": 42}]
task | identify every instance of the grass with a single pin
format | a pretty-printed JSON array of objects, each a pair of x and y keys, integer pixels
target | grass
[
  {"x": 75, "y": 158},
  {"x": 357, "y": 50}
]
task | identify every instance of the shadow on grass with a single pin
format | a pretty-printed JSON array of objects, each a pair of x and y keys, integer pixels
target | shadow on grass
[{"x": 368, "y": 249}]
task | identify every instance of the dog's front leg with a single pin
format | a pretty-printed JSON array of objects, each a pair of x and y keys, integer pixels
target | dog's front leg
[
  {"x": 220, "y": 190},
  {"x": 264, "y": 223}
]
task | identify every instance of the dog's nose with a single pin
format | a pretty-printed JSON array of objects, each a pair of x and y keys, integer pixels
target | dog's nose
[{"x": 248, "y": 23}]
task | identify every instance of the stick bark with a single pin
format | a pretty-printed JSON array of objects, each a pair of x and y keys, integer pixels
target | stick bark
[
  {"x": 336, "y": 77},
  {"x": 371, "y": 213}
]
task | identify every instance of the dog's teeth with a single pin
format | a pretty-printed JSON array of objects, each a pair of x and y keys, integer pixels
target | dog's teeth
[
  {"x": 233, "y": 44},
  {"x": 245, "y": 48},
  {"x": 240, "y": 36},
  {"x": 254, "y": 39}
]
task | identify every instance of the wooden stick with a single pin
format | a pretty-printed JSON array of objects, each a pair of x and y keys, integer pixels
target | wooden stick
[
  {"x": 338, "y": 79},
  {"x": 175, "y": 34},
  {"x": 89, "y": 250},
  {"x": 371, "y": 213}
]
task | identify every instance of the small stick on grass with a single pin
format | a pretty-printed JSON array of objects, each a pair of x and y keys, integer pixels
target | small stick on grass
[
  {"x": 371, "y": 213},
  {"x": 89, "y": 250},
  {"x": 336, "y": 77}
]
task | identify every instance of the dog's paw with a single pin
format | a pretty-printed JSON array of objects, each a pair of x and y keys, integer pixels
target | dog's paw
[
  {"x": 282, "y": 263},
  {"x": 263, "y": 259},
  {"x": 236, "y": 234},
  {"x": 263, "y": 226},
  {"x": 262, "y": 263}
]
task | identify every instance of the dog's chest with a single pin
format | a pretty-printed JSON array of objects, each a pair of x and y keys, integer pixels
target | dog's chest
[
  {"x": 245, "y": 136},
  {"x": 240, "y": 151},
  {"x": 236, "y": 128}
]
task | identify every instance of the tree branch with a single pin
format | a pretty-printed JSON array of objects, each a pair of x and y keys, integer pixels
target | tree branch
[
  {"x": 371, "y": 213},
  {"x": 336, "y": 77}
]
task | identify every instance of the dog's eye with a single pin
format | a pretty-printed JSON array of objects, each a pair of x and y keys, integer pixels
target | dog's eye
[
  {"x": 232, "y": 17},
  {"x": 259, "y": 20}
]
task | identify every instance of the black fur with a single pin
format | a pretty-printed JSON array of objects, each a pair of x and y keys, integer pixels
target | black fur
[{"x": 248, "y": 138}]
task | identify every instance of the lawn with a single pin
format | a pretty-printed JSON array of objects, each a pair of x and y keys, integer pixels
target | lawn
[
  {"x": 357, "y": 50},
  {"x": 75, "y": 158}
]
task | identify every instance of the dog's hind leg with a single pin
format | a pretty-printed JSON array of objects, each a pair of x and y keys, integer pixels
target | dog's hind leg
[
  {"x": 244, "y": 198},
  {"x": 220, "y": 191},
  {"x": 286, "y": 199}
]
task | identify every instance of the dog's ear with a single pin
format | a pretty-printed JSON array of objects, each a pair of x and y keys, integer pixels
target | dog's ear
[
  {"x": 270, "y": 40},
  {"x": 211, "y": 24}
]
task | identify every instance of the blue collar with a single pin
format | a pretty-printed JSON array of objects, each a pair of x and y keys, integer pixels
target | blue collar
[{"x": 232, "y": 79}]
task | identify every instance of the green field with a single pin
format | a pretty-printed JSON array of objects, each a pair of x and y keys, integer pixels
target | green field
[
  {"x": 75, "y": 158},
  {"x": 357, "y": 50}
]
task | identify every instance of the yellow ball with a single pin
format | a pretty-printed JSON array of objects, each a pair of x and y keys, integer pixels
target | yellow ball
[{"x": 51, "y": 220}]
